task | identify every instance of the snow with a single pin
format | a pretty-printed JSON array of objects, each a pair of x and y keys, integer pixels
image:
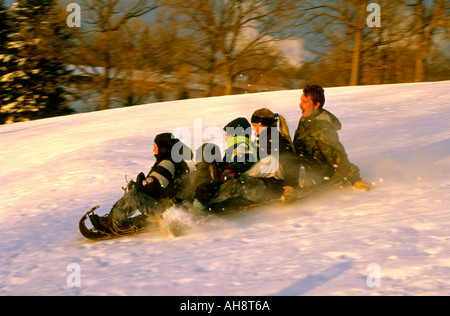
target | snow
[{"x": 346, "y": 243}]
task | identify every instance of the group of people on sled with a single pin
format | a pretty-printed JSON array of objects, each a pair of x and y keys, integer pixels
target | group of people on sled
[{"x": 271, "y": 167}]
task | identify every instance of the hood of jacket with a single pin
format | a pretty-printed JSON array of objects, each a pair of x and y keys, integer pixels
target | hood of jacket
[
  {"x": 166, "y": 142},
  {"x": 328, "y": 118}
]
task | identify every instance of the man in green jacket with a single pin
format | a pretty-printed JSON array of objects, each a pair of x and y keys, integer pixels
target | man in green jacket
[{"x": 317, "y": 141}]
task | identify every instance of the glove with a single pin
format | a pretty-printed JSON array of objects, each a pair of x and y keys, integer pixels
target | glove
[
  {"x": 142, "y": 181},
  {"x": 362, "y": 185}
]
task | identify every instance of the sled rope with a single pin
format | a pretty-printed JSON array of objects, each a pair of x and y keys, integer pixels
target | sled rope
[{"x": 117, "y": 231}]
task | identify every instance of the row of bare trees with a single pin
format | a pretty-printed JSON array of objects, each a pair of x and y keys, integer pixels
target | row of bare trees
[
  {"x": 225, "y": 39},
  {"x": 220, "y": 40},
  {"x": 131, "y": 49},
  {"x": 411, "y": 30}
]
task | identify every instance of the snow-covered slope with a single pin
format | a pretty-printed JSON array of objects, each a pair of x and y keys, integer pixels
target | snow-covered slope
[{"x": 54, "y": 170}]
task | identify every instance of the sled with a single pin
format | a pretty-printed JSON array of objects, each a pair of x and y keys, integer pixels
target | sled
[{"x": 139, "y": 224}]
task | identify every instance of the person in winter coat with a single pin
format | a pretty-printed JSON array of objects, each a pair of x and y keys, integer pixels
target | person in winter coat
[
  {"x": 165, "y": 178},
  {"x": 265, "y": 124},
  {"x": 274, "y": 148},
  {"x": 239, "y": 156},
  {"x": 241, "y": 153},
  {"x": 316, "y": 140},
  {"x": 154, "y": 193},
  {"x": 263, "y": 181},
  {"x": 206, "y": 179}
]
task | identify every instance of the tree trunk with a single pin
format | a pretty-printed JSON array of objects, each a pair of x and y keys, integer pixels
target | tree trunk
[
  {"x": 357, "y": 46},
  {"x": 229, "y": 84},
  {"x": 419, "y": 70},
  {"x": 106, "y": 85},
  {"x": 229, "y": 87},
  {"x": 356, "y": 59},
  {"x": 209, "y": 85},
  {"x": 106, "y": 93}
]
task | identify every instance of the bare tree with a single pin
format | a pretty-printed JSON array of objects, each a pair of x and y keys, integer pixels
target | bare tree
[
  {"x": 430, "y": 17},
  {"x": 97, "y": 41},
  {"x": 149, "y": 60},
  {"x": 339, "y": 30},
  {"x": 337, "y": 24},
  {"x": 227, "y": 32}
]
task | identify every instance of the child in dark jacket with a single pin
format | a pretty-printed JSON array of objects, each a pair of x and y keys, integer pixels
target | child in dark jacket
[
  {"x": 163, "y": 180},
  {"x": 154, "y": 193},
  {"x": 243, "y": 188},
  {"x": 241, "y": 153},
  {"x": 239, "y": 156},
  {"x": 206, "y": 179}
]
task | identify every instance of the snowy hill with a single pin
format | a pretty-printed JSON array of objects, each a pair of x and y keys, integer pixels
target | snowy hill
[{"x": 54, "y": 170}]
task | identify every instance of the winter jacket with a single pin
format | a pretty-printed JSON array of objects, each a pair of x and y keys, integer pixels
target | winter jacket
[
  {"x": 240, "y": 154},
  {"x": 316, "y": 140},
  {"x": 167, "y": 176},
  {"x": 205, "y": 181},
  {"x": 271, "y": 142}
]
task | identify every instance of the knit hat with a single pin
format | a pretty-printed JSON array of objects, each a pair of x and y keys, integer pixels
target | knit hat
[
  {"x": 238, "y": 127},
  {"x": 165, "y": 143},
  {"x": 265, "y": 117}
]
